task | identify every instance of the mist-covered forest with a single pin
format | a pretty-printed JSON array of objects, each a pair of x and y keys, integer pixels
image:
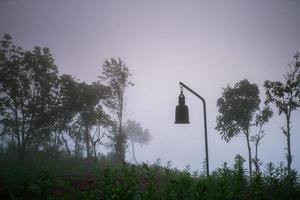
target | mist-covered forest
[{"x": 62, "y": 138}]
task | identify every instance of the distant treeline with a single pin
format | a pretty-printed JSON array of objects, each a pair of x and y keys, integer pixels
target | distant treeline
[{"x": 41, "y": 110}]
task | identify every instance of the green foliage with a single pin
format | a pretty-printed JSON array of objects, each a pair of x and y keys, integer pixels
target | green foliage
[
  {"x": 42, "y": 185},
  {"x": 120, "y": 183},
  {"x": 69, "y": 178}
]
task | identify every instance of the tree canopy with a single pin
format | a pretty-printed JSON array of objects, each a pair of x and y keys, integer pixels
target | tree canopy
[
  {"x": 28, "y": 85},
  {"x": 237, "y": 107},
  {"x": 136, "y": 134}
]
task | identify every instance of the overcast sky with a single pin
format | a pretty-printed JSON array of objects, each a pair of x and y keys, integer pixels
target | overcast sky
[{"x": 205, "y": 44}]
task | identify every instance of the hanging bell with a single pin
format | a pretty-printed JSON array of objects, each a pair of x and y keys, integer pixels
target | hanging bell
[{"x": 182, "y": 111}]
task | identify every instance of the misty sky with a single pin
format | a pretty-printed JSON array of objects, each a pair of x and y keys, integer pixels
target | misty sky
[{"x": 205, "y": 44}]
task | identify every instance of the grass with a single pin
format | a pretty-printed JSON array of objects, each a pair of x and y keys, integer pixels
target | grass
[{"x": 70, "y": 178}]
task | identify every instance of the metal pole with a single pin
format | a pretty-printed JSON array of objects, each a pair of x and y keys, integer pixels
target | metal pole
[{"x": 205, "y": 123}]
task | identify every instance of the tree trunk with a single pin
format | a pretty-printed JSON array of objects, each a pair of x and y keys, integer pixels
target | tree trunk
[
  {"x": 256, "y": 158},
  {"x": 66, "y": 144},
  {"x": 288, "y": 137},
  {"x": 23, "y": 136},
  {"x": 76, "y": 147},
  {"x": 249, "y": 154},
  {"x": 20, "y": 140},
  {"x": 94, "y": 151},
  {"x": 120, "y": 151},
  {"x": 87, "y": 142},
  {"x": 133, "y": 153}
]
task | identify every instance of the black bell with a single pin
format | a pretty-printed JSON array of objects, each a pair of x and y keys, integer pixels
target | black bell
[{"x": 182, "y": 111}]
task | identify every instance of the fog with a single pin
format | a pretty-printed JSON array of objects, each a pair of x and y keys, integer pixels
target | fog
[{"x": 205, "y": 44}]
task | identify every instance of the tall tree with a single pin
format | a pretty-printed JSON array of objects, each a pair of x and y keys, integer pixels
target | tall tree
[
  {"x": 116, "y": 74},
  {"x": 136, "y": 134},
  {"x": 261, "y": 119},
  {"x": 286, "y": 96},
  {"x": 90, "y": 110},
  {"x": 237, "y": 107},
  {"x": 27, "y": 84},
  {"x": 66, "y": 109}
]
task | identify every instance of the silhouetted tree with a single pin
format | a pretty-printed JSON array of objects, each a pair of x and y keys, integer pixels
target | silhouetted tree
[
  {"x": 261, "y": 119},
  {"x": 136, "y": 134},
  {"x": 237, "y": 107},
  {"x": 27, "y": 84},
  {"x": 286, "y": 96},
  {"x": 66, "y": 109},
  {"x": 91, "y": 113},
  {"x": 116, "y": 74}
]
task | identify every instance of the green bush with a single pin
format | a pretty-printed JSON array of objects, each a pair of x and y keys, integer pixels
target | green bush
[{"x": 70, "y": 178}]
